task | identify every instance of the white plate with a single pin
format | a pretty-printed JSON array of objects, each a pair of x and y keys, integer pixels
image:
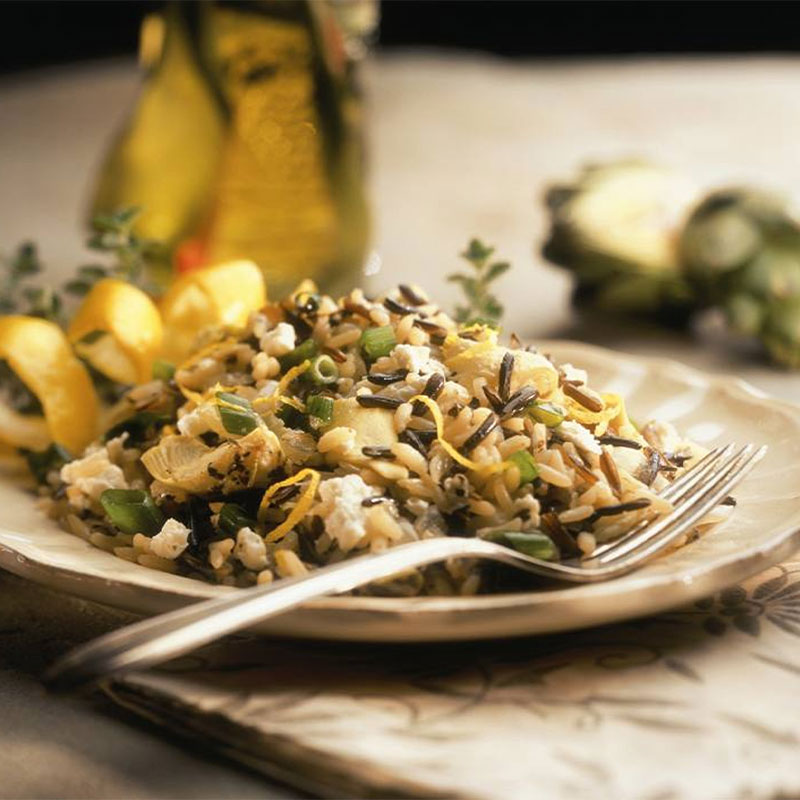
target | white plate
[{"x": 764, "y": 529}]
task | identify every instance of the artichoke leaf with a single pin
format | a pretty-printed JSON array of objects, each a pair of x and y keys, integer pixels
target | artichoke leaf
[{"x": 186, "y": 463}]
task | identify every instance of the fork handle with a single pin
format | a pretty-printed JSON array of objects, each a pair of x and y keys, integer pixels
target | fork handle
[{"x": 158, "y": 639}]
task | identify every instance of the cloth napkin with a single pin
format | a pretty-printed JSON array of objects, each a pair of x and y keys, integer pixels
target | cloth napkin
[{"x": 703, "y": 702}]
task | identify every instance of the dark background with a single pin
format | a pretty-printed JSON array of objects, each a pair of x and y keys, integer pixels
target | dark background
[{"x": 36, "y": 33}]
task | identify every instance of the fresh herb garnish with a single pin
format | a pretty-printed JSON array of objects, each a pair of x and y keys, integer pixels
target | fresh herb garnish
[
  {"x": 482, "y": 306},
  {"x": 17, "y": 295},
  {"x": 112, "y": 234}
]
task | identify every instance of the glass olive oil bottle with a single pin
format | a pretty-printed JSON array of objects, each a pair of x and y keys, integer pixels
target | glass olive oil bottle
[{"x": 247, "y": 138}]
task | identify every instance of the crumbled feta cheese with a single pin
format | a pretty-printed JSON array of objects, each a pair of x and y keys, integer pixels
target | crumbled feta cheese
[
  {"x": 579, "y": 436},
  {"x": 171, "y": 540},
  {"x": 93, "y": 474},
  {"x": 201, "y": 420},
  {"x": 416, "y": 358},
  {"x": 341, "y": 509},
  {"x": 250, "y": 549},
  {"x": 278, "y": 341},
  {"x": 574, "y": 374}
]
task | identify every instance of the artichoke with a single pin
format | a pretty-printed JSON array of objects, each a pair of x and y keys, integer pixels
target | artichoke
[
  {"x": 617, "y": 228},
  {"x": 740, "y": 249}
]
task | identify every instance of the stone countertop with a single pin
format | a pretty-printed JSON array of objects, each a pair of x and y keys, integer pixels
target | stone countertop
[{"x": 460, "y": 146}]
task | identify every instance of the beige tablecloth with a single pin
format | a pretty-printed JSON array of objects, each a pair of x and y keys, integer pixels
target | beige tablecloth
[{"x": 700, "y": 703}]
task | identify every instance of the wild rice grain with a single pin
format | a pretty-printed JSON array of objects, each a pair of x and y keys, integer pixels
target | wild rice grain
[
  {"x": 586, "y": 397},
  {"x": 411, "y": 296},
  {"x": 520, "y": 400},
  {"x": 621, "y": 508},
  {"x": 609, "y": 468},
  {"x": 618, "y": 441},
  {"x": 378, "y": 401},
  {"x": 433, "y": 388},
  {"x": 378, "y": 451},
  {"x": 410, "y": 438},
  {"x": 398, "y": 308},
  {"x": 483, "y": 430},
  {"x": 493, "y": 398},
  {"x": 504, "y": 378}
]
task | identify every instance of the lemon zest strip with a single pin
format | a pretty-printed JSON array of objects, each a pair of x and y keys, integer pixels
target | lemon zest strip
[
  {"x": 283, "y": 384},
  {"x": 299, "y": 511},
  {"x": 436, "y": 412}
]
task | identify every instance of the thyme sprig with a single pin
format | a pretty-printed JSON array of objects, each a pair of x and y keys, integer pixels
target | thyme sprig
[
  {"x": 18, "y": 294},
  {"x": 111, "y": 234},
  {"x": 481, "y": 306}
]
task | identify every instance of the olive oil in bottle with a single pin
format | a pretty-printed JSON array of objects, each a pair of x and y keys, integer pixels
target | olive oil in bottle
[{"x": 258, "y": 149}]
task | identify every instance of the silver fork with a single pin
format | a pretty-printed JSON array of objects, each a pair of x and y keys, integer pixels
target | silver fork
[{"x": 167, "y": 636}]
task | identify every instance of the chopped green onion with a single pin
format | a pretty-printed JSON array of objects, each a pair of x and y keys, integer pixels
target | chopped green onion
[
  {"x": 230, "y": 398},
  {"x": 547, "y": 413},
  {"x": 162, "y": 370},
  {"x": 303, "y": 352},
  {"x": 377, "y": 342},
  {"x": 532, "y": 543},
  {"x": 232, "y": 518},
  {"x": 324, "y": 370},
  {"x": 43, "y": 462},
  {"x": 132, "y": 511},
  {"x": 236, "y": 413},
  {"x": 320, "y": 407},
  {"x": 526, "y": 465}
]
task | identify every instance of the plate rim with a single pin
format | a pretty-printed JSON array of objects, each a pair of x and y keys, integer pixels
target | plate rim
[{"x": 695, "y": 578}]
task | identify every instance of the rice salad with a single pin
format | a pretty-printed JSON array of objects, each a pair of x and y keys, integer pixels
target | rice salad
[{"x": 325, "y": 429}]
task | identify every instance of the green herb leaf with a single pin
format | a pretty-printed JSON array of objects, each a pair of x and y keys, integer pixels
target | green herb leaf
[
  {"x": 77, "y": 287},
  {"x": 232, "y": 518},
  {"x": 477, "y": 251},
  {"x": 482, "y": 305},
  {"x": 132, "y": 511},
  {"x": 497, "y": 269}
]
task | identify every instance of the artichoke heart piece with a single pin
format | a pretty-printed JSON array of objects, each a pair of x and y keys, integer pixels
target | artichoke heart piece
[
  {"x": 183, "y": 462},
  {"x": 616, "y": 228},
  {"x": 374, "y": 427}
]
